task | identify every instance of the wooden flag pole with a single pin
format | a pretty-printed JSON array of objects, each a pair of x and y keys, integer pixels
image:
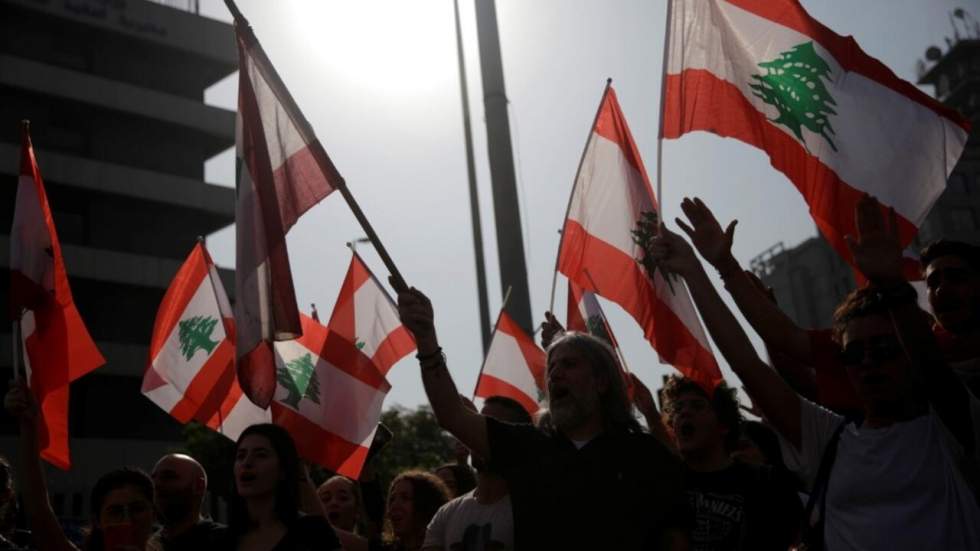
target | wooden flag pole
[
  {"x": 568, "y": 209},
  {"x": 319, "y": 154}
]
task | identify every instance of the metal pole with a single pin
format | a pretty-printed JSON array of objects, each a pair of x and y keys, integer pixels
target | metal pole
[
  {"x": 507, "y": 217},
  {"x": 481, "y": 271}
]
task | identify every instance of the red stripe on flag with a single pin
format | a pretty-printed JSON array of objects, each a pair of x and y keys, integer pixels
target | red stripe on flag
[
  {"x": 398, "y": 344},
  {"x": 207, "y": 380},
  {"x": 488, "y": 386},
  {"x": 256, "y": 371},
  {"x": 344, "y": 355},
  {"x": 623, "y": 282},
  {"x": 847, "y": 52},
  {"x": 302, "y": 184},
  {"x": 575, "y": 321},
  {"x": 698, "y": 100},
  {"x": 611, "y": 124},
  {"x": 321, "y": 446}
]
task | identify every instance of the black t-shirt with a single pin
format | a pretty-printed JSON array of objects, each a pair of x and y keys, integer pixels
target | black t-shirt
[
  {"x": 743, "y": 508},
  {"x": 619, "y": 491},
  {"x": 203, "y": 536},
  {"x": 307, "y": 533}
]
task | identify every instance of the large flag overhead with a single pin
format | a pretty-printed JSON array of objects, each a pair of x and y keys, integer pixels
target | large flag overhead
[
  {"x": 514, "y": 366},
  {"x": 332, "y": 379},
  {"x": 834, "y": 120},
  {"x": 191, "y": 369},
  {"x": 611, "y": 194},
  {"x": 57, "y": 346},
  {"x": 282, "y": 172}
]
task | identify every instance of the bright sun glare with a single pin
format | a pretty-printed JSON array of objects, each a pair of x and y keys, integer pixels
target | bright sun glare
[{"x": 386, "y": 47}]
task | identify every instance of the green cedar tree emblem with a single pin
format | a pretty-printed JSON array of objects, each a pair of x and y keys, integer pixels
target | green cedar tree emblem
[
  {"x": 646, "y": 229},
  {"x": 360, "y": 344},
  {"x": 299, "y": 379},
  {"x": 195, "y": 333},
  {"x": 792, "y": 84}
]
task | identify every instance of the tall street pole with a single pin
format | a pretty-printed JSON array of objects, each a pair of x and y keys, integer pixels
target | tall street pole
[
  {"x": 481, "y": 271},
  {"x": 506, "y": 207}
]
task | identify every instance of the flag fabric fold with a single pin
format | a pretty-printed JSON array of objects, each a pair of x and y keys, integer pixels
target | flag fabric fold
[
  {"x": 331, "y": 380},
  {"x": 611, "y": 195},
  {"x": 514, "y": 366},
  {"x": 837, "y": 122},
  {"x": 585, "y": 315},
  {"x": 190, "y": 373},
  {"x": 282, "y": 172},
  {"x": 57, "y": 346}
]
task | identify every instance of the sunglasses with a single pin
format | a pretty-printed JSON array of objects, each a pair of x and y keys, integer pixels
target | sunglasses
[{"x": 880, "y": 349}]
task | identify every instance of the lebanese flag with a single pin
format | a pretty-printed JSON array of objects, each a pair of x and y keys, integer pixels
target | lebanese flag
[
  {"x": 833, "y": 119},
  {"x": 332, "y": 379},
  {"x": 514, "y": 366},
  {"x": 57, "y": 346},
  {"x": 598, "y": 254},
  {"x": 282, "y": 172},
  {"x": 191, "y": 369},
  {"x": 586, "y": 316}
]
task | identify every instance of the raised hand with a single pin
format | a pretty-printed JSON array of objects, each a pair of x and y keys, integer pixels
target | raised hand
[
  {"x": 20, "y": 403},
  {"x": 713, "y": 243},
  {"x": 876, "y": 249},
  {"x": 550, "y": 328},
  {"x": 415, "y": 311},
  {"x": 671, "y": 252}
]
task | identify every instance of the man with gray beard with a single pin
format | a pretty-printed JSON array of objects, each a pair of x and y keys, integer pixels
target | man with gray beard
[{"x": 591, "y": 479}]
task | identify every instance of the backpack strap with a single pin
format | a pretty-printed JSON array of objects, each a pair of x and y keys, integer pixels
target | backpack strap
[{"x": 816, "y": 506}]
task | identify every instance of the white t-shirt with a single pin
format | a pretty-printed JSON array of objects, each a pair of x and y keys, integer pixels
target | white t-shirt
[
  {"x": 894, "y": 488},
  {"x": 465, "y": 524}
]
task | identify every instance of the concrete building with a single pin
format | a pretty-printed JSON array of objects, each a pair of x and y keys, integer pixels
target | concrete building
[
  {"x": 114, "y": 92},
  {"x": 810, "y": 279}
]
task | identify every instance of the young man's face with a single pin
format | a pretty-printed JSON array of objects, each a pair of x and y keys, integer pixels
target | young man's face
[
  {"x": 875, "y": 361},
  {"x": 573, "y": 388},
  {"x": 954, "y": 293},
  {"x": 694, "y": 423}
]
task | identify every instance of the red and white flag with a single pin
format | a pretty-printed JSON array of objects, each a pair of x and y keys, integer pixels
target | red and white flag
[
  {"x": 586, "y": 316},
  {"x": 191, "y": 369},
  {"x": 514, "y": 366},
  {"x": 332, "y": 379},
  {"x": 57, "y": 345},
  {"x": 610, "y": 196},
  {"x": 837, "y": 122},
  {"x": 282, "y": 172}
]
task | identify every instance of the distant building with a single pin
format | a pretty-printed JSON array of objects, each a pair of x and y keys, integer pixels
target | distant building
[
  {"x": 114, "y": 92},
  {"x": 810, "y": 279}
]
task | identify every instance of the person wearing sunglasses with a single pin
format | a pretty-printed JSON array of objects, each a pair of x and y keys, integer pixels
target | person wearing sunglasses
[
  {"x": 903, "y": 477},
  {"x": 736, "y": 506}
]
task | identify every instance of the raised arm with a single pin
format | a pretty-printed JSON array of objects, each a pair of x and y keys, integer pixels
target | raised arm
[
  {"x": 878, "y": 254},
  {"x": 715, "y": 245},
  {"x": 469, "y": 427},
  {"x": 46, "y": 532},
  {"x": 643, "y": 399},
  {"x": 776, "y": 399}
]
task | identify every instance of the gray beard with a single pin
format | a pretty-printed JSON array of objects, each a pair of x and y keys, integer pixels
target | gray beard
[{"x": 572, "y": 413}]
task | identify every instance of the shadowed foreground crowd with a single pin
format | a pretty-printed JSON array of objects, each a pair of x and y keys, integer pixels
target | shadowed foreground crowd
[{"x": 868, "y": 440}]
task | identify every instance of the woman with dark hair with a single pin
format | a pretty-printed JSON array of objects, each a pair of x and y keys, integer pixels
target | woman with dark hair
[
  {"x": 121, "y": 500},
  {"x": 265, "y": 511},
  {"x": 459, "y": 478},
  {"x": 413, "y": 499}
]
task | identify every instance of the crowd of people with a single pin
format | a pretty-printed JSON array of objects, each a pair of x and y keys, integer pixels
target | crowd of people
[{"x": 868, "y": 437}]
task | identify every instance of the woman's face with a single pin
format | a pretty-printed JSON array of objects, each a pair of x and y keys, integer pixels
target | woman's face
[
  {"x": 337, "y": 496},
  {"x": 401, "y": 508},
  {"x": 257, "y": 470},
  {"x": 126, "y": 518}
]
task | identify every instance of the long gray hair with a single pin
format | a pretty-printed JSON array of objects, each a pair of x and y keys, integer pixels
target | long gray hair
[{"x": 614, "y": 404}]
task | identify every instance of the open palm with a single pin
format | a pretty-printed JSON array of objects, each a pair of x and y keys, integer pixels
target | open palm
[{"x": 713, "y": 243}]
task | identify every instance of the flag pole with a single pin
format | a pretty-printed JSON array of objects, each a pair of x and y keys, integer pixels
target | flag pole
[
  {"x": 503, "y": 308},
  {"x": 319, "y": 154},
  {"x": 663, "y": 97},
  {"x": 568, "y": 209}
]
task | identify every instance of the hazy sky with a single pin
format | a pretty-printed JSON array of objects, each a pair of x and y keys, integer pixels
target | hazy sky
[{"x": 378, "y": 82}]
